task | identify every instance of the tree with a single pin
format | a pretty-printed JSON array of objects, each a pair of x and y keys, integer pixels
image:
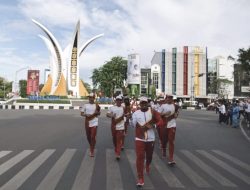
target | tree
[
  {"x": 153, "y": 92},
  {"x": 244, "y": 59},
  {"x": 23, "y": 88},
  {"x": 5, "y": 87},
  {"x": 88, "y": 87},
  {"x": 219, "y": 86},
  {"x": 41, "y": 87},
  {"x": 110, "y": 76}
]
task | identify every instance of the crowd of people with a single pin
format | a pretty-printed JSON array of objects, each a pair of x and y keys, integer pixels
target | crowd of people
[
  {"x": 230, "y": 112},
  {"x": 145, "y": 117}
]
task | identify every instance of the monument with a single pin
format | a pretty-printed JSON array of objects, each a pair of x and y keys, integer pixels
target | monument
[{"x": 64, "y": 75}]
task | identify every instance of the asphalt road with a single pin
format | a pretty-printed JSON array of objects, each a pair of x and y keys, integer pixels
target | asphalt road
[{"x": 47, "y": 149}]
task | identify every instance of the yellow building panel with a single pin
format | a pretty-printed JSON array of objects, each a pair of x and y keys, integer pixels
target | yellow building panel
[{"x": 196, "y": 73}]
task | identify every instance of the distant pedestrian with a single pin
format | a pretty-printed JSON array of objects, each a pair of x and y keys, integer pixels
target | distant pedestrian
[
  {"x": 241, "y": 108},
  {"x": 247, "y": 111},
  {"x": 222, "y": 111},
  {"x": 91, "y": 111},
  {"x": 143, "y": 120},
  {"x": 117, "y": 113},
  {"x": 235, "y": 115}
]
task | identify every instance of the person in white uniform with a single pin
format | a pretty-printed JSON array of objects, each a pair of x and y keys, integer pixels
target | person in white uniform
[
  {"x": 117, "y": 113},
  {"x": 143, "y": 121},
  {"x": 91, "y": 111}
]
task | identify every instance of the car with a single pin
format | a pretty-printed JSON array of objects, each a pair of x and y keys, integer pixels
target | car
[{"x": 201, "y": 105}]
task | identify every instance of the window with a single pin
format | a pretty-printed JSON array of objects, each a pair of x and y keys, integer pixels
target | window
[{"x": 155, "y": 80}]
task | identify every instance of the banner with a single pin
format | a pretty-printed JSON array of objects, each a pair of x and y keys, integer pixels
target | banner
[
  {"x": 134, "y": 70},
  {"x": 33, "y": 82}
]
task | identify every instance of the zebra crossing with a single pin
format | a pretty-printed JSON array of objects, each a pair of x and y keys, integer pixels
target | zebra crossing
[{"x": 195, "y": 169}]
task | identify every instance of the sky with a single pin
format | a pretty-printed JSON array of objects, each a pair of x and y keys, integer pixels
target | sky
[{"x": 129, "y": 26}]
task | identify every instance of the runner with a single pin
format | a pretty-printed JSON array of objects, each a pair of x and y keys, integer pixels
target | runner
[
  {"x": 90, "y": 111},
  {"x": 127, "y": 110},
  {"x": 143, "y": 120},
  {"x": 170, "y": 112},
  {"x": 116, "y": 113},
  {"x": 161, "y": 130},
  {"x": 235, "y": 115}
]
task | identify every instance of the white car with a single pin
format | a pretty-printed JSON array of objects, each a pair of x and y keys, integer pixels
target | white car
[{"x": 201, "y": 105}]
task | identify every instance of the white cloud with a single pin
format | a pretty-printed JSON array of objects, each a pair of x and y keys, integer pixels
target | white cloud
[
  {"x": 59, "y": 13},
  {"x": 141, "y": 25}
]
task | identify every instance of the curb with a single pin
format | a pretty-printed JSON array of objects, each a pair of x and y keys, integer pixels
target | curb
[{"x": 45, "y": 107}]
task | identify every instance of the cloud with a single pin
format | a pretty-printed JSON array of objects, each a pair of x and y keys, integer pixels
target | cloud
[
  {"x": 140, "y": 26},
  {"x": 55, "y": 13}
]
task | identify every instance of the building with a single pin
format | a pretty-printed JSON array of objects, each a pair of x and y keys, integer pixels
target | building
[
  {"x": 225, "y": 71},
  {"x": 181, "y": 72},
  {"x": 241, "y": 82},
  {"x": 64, "y": 73},
  {"x": 145, "y": 81}
]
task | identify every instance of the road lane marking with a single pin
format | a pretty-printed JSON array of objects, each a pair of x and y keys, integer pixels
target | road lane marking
[
  {"x": 85, "y": 172},
  {"x": 4, "y": 153},
  {"x": 26, "y": 172},
  {"x": 166, "y": 173},
  {"x": 114, "y": 179},
  {"x": 130, "y": 153},
  {"x": 56, "y": 172},
  {"x": 232, "y": 159},
  {"x": 210, "y": 171},
  {"x": 225, "y": 166},
  {"x": 191, "y": 174},
  {"x": 13, "y": 161}
]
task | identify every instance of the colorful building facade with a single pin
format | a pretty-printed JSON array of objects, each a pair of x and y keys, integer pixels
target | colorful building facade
[{"x": 182, "y": 71}]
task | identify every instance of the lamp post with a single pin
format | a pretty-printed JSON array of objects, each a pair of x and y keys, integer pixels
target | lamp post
[
  {"x": 45, "y": 71},
  {"x": 3, "y": 89},
  {"x": 193, "y": 85}
]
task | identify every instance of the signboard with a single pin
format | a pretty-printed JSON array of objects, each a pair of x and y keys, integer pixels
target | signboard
[
  {"x": 134, "y": 70},
  {"x": 212, "y": 96},
  {"x": 32, "y": 82},
  {"x": 245, "y": 89}
]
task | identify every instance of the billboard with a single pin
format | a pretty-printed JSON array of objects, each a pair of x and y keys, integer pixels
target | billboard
[
  {"x": 245, "y": 89},
  {"x": 134, "y": 70},
  {"x": 33, "y": 82}
]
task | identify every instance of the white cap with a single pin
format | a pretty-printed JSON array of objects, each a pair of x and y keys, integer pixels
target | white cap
[
  {"x": 119, "y": 97},
  {"x": 143, "y": 99},
  {"x": 91, "y": 94}
]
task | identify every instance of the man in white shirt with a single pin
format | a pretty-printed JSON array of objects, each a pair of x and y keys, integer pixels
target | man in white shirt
[
  {"x": 90, "y": 111},
  {"x": 117, "y": 113},
  {"x": 222, "y": 112},
  {"x": 143, "y": 120},
  {"x": 247, "y": 110}
]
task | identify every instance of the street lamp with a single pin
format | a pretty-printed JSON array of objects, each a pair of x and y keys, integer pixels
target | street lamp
[
  {"x": 3, "y": 89},
  {"x": 193, "y": 85},
  {"x": 45, "y": 71}
]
